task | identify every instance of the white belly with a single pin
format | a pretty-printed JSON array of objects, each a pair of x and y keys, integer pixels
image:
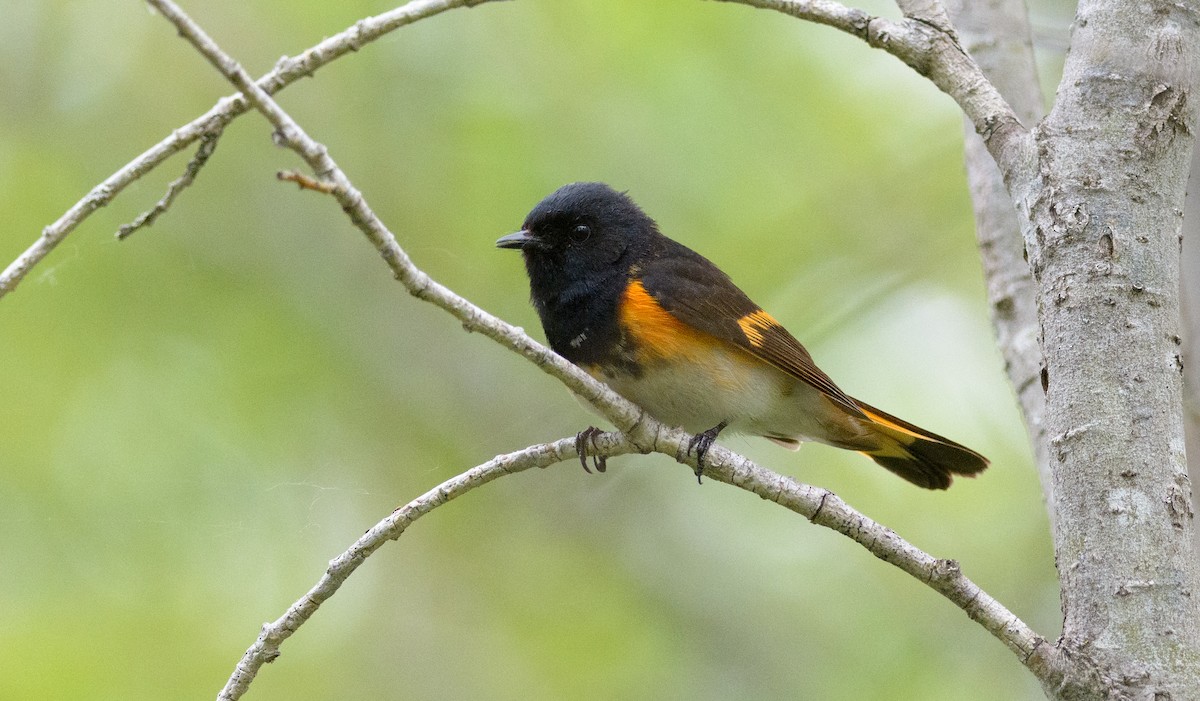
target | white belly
[{"x": 753, "y": 398}]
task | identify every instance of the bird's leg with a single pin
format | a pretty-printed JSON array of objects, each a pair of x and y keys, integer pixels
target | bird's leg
[
  {"x": 582, "y": 439},
  {"x": 701, "y": 442}
]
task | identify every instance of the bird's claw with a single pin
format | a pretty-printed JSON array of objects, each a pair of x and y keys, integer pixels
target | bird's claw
[
  {"x": 700, "y": 443},
  {"x": 582, "y": 439}
]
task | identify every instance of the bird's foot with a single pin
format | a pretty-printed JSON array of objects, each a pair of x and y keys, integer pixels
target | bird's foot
[
  {"x": 582, "y": 440},
  {"x": 700, "y": 443}
]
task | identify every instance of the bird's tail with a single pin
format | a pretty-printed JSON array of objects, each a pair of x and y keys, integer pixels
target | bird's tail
[{"x": 923, "y": 458}]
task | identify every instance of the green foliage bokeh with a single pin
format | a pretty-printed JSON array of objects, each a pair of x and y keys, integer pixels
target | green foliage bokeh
[{"x": 195, "y": 420}]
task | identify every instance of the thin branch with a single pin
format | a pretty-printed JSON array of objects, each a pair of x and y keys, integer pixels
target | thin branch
[
  {"x": 824, "y": 508},
  {"x": 927, "y": 42},
  {"x": 286, "y": 71},
  {"x": 623, "y": 414},
  {"x": 819, "y": 506},
  {"x": 641, "y": 432},
  {"x": 208, "y": 144},
  {"x": 266, "y": 648}
]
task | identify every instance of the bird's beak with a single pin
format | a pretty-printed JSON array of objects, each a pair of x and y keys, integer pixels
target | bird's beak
[{"x": 516, "y": 240}]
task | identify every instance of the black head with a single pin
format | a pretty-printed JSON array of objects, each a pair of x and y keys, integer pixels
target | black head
[
  {"x": 581, "y": 227},
  {"x": 579, "y": 246}
]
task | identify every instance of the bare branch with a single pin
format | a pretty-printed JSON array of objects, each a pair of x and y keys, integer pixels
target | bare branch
[
  {"x": 825, "y": 508},
  {"x": 834, "y": 14},
  {"x": 641, "y": 432},
  {"x": 998, "y": 36},
  {"x": 623, "y": 414},
  {"x": 819, "y": 506},
  {"x": 286, "y": 72},
  {"x": 931, "y": 12},
  {"x": 208, "y": 144},
  {"x": 305, "y": 182},
  {"x": 266, "y": 647},
  {"x": 927, "y": 42}
]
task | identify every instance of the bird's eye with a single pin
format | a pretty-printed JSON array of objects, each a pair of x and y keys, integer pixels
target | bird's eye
[{"x": 581, "y": 233}]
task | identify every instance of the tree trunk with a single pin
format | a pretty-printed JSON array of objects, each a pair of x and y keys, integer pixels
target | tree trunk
[{"x": 1102, "y": 223}]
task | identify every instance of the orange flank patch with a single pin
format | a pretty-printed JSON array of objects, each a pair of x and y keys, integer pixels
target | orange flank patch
[
  {"x": 659, "y": 335},
  {"x": 753, "y": 325}
]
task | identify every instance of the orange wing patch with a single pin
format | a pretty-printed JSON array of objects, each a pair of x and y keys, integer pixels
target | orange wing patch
[
  {"x": 658, "y": 334},
  {"x": 753, "y": 325}
]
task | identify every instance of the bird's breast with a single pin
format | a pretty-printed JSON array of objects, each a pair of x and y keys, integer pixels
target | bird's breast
[{"x": 580, "y": 320}]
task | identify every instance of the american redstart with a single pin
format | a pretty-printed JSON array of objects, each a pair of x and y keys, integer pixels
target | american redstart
[{"x": 669, "y": 331}]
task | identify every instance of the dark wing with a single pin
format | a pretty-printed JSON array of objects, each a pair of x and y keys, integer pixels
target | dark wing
[{"x": 697, "y": 293}]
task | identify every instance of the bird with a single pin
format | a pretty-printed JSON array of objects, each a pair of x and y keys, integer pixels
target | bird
[{"x": 668, "y": 330}]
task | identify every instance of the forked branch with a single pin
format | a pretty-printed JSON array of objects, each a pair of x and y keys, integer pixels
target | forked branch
[{"x": 286, "y": 72}]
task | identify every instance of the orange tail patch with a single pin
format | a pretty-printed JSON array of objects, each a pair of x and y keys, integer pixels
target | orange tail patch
[{"x": 919, "y": 456}]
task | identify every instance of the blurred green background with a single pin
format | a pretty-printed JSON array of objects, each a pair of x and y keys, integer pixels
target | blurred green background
[{"x": 195, "y": 420}]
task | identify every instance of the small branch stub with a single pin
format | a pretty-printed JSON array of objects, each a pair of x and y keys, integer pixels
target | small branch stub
[{"x": 305, "y": 182}]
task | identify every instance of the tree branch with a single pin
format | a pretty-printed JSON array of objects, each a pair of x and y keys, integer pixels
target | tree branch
[
  {"x": 819, "y": 506},
  {"x": 622, "y": 413},
  {"x": 266, "y": 648},
  {"x": 927, "y": 42},
  {"x": 208, "y": 144},
  {"x": 997, "y": 35},
  {"x": 641, "y": 432},
  {"x": 824, "y": 508},
  {"x": 286, "y": 72}
]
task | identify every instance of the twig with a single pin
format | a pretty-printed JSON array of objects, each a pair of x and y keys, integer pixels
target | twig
[
  {"x": 208, "y": 144},
  {"x": 641, "y": 433},
  {"x": 305, "y": 182},
  {"x": 286, "y": 72}
]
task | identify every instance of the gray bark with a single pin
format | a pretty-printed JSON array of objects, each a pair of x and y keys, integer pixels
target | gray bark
[
  {"x": 997, "y": 35},
  {"x": 1102, "y": 222}
]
